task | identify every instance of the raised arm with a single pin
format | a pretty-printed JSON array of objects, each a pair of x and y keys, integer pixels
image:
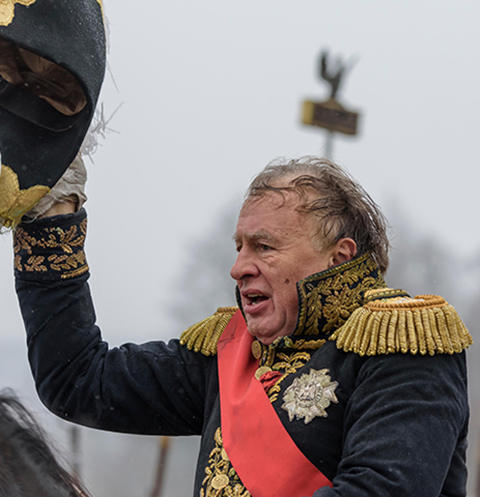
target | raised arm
[{"x": 151, "y": 388}]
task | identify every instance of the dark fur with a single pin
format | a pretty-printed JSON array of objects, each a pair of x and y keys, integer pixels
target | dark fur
[{"x": 28, "y": 467}]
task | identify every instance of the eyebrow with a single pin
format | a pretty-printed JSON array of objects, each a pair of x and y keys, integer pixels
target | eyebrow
[{"x": 255, "y": 237}]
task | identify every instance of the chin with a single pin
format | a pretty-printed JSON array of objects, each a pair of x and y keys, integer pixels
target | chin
[
  {"x": 265, "y": 340},
  {"x": 268, "y": 334},
  {"x": 257, "y": 333},
  {"x": 265, "y": 337}
]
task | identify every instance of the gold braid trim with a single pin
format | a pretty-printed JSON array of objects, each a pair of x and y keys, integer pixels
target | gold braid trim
[
  {"x": 426, "y": 323},
  {"x": 15, "y": 202},
  {"x": 303, "y": 344},
  {"x": 7, "y": 10},
  {"x": 203, "y": 336}
]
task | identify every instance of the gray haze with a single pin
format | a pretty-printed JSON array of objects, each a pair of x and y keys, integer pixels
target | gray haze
[{"x": 210, "y": 92}]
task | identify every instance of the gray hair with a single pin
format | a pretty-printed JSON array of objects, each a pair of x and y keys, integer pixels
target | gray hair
[{"x": 343, "y": 208}]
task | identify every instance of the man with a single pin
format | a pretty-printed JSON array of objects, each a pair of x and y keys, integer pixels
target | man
[{"x": 324, "y": 382}]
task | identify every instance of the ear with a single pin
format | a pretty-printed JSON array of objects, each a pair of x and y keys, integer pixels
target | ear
[{"x": 344, "y": 250}]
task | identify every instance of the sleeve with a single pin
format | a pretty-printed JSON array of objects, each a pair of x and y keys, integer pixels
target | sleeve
[
  {"x": 154, "y": 388},
  {"x": 405, "y": 429}
]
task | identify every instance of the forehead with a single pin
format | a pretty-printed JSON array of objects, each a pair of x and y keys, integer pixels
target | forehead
[{"x": 273, "y": 215}]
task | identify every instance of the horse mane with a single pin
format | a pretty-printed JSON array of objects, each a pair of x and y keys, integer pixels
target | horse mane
[{"x": 28, "y": 467}]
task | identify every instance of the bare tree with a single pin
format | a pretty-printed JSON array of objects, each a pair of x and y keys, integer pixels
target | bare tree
[
  {"x": 205, "y": 282},
  {"x": 421, "y": 263}
]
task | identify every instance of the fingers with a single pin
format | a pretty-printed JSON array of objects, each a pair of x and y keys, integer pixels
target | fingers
[{"x": 67, "y": 196}]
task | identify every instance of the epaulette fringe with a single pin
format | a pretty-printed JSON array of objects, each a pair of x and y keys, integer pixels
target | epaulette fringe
[
  {"x": 424, "y": 324},
  {"x": 203, "y": 336}
]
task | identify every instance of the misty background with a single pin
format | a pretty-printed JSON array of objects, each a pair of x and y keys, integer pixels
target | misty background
[{"x": 202, "y": 95}]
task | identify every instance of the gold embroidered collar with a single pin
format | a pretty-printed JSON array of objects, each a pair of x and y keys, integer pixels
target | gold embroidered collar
[
  {"x": 327, "y": 299},
  {"x": 350, "y": 305}
]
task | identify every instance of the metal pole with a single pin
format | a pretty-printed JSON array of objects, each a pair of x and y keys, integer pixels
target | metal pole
[
  {"x": 328, "y": 145},
  {"x": 477, "y": 469},
  {"x": 75, "y": 445},
  {"x": 164, "y": 443}
]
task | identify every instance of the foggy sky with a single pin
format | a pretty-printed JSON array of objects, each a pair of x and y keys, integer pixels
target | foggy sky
[{"x": 211, "y": 91}]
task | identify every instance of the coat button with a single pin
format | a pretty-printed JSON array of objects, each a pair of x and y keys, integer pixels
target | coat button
[
  {"x": 220, "y": 481},
  {"x": 257, "y": 349},
  {"x": 261, "y": 371}
]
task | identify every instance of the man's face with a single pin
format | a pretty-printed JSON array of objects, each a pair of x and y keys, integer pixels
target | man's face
[{"x": 275, "y": 251}]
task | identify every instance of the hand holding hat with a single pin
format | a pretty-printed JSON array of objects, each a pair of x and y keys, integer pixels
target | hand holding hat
[
  {"x": 52, "y": 65},
  {"x": 68, "y": 194}
]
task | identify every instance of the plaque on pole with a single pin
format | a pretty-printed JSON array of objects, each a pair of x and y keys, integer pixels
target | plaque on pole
[{"x": 330, "y": 114}]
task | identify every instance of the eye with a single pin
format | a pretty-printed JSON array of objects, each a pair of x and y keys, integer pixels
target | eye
[{"x": 264, "y": 247}]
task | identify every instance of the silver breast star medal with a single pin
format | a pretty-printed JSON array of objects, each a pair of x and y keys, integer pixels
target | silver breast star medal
[{"x": 308, "y": 396}]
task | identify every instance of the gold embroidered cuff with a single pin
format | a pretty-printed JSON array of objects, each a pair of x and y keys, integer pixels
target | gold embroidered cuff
[{"x": 51, "y": 248}]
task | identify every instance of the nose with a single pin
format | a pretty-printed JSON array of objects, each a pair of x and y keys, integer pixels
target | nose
[{"x": 244, "y": 266}]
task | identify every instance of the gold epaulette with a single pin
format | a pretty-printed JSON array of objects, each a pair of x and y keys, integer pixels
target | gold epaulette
[
  {"x": 424, "y": 324},
  {"x": 203, "y": 336}
]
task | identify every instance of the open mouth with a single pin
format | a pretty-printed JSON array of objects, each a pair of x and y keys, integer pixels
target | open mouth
[{"x": 254, "y": 298}]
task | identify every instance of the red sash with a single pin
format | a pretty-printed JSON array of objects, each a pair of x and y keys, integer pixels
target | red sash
[{"x": 264, "y": 456}]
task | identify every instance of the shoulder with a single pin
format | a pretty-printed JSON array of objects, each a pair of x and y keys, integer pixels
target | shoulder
[
  {"x": 203, "y": 336},
  {"x": 386, "y": 323}
]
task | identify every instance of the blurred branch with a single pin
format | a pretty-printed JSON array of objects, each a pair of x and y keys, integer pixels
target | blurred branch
[{"x": 164, "y": 447}]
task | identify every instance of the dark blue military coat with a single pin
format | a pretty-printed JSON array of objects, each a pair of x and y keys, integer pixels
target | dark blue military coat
[{"x": 371, "y": 386}]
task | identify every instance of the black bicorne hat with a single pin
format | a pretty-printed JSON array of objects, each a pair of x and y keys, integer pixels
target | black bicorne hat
[{"x": 40, "y": 134}]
